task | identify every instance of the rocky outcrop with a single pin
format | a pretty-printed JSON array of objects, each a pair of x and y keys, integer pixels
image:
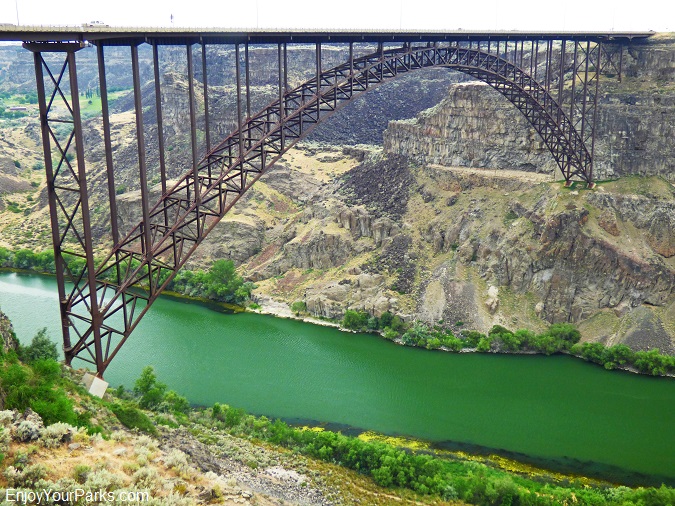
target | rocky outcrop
[
  {"x": 381, "y": 184},
  {"x": 361, "y": 224},
  {"x": 366, "y": 292},
  {"x": 657, "y": 224},
  {"x": 7, "y": 337},
  {"x": 474, "y": 126},
  {"x": 573, "y": 256}
]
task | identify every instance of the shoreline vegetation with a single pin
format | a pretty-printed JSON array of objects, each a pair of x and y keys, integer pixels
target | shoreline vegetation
[{"x": 221, "y": 285}]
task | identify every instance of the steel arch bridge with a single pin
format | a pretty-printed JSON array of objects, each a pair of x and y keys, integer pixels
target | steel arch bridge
[{"x": 552, "y": 78}]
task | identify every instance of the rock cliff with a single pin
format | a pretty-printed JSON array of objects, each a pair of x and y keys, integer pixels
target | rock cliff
[
  {"x": 7, "y": 337},
  {"x": 475, "y": 126}
]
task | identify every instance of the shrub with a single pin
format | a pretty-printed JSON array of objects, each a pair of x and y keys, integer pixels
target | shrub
[
  {"x": 133, "y": 418},
  {"x": 233, "y": 416},
  {"x": 56, "y": 434},
  {"x": 389, "y": 333},
  {"x": 565, "y": 333},
  {"x": 471, "y": 338},
  {"x": 217, "y": 412},
  {"x": 415, "y": 335},
  {"x": 150, "y": 390},
  {"x": 386, "y": 319},
  {"x": 174, "y": 403},
  {"x": 80, "y": 473},
  {"x": 147, "y": 478},
  {"x": 26, "y": 477},
  {"x": 102, "y": 479},
  {"x": 484, "y": 344},
  {"x": 177, "y": 460},
  {"x": 40, "y": 348},
  {"x": 27, "y": 431},
  {"x": 5, "y": 439},
  {"x": 299, "y": 306},
  {"x": 6, "y": 418},
  {"x": 652, "y": 362},
  {"x": 355, "y": 320}
]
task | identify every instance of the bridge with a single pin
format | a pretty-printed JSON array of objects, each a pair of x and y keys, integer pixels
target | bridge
[{"x": 552, "y": 78}]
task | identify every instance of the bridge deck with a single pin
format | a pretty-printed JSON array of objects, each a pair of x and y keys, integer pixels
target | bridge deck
[{"x": 116, "y": 35}]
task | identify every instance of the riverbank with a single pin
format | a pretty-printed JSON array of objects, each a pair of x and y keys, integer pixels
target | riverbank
[
  {"x": 502, "y": 341},
  {"x": 618, "y": 357},
  {"x": 272, "y": 307}
]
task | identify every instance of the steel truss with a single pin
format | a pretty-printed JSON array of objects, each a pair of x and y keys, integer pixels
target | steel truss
[{"x": 553, "y": 83}]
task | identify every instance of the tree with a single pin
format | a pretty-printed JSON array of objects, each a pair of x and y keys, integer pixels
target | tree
[
  {"x": 223, "y": 281},
  {"x": 299, "y": 306},
  {"x": 593, "y": 352},
  {"x": 40, "y": 348},
  {"x": 619, "y": 354},
  {"x": 149, "y": 389},
  {"x": 471, "y": 338},
  {"x": 355, "y": 320},
  {"x": 653, "y": 362},
  {"x": 5, "y": 257},
  {"x": 566, "y": 333},
  {"x": 386, "y": 319},
  {"x": 484, "y": 344},
  {"x": 23, "y": 259}
]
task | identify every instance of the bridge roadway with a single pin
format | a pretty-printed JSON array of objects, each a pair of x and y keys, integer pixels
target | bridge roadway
[{"x": 117, "y": 35}]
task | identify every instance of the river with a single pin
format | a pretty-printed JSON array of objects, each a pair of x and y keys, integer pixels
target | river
[{"x": 556, "y": 410}]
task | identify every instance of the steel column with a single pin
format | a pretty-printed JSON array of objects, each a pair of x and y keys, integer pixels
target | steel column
[
  {"x": 248, "y": 82},
  {"x": 160, "y": 121},
  {"x": 59, "y": 261},
  {"x": 207, "y": 127},
  {"x": 240, "y": 121},
  {"x": 591, "y": 183},
  {"x": 107, "y": 143},
  {"x": 146, "y": 242},
  {"x": 84, "y": 203}
]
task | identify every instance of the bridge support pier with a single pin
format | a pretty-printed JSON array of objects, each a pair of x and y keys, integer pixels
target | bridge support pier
[{"x": 67, "y": 191}]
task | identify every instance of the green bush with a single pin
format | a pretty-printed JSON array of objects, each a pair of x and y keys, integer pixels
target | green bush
[
  {"x": 220, "y": 283},
  {"x": 389, "y": 333},
  {"x": 355, "y": 320},
  {"x": 35, "y": 386},
  {"x": 299, "y": 306},
  {"x": 40, "y": 348},
  {"x": 80, "y": 473},
  {"x": 174, "y": 403},
  {"x": 386, "y": 320},
  {"x": 133, "y": 418},
  {"x": 150, "y": 390},
  {"x": 652, "y": 362},
  {"x": 471, "y": 338}
]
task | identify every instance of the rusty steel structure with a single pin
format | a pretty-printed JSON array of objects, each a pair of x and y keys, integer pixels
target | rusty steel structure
[{"x": 552, "y": 78}]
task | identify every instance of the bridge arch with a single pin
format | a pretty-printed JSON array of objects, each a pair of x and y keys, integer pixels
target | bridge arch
[{"x": 152, "y": 252}]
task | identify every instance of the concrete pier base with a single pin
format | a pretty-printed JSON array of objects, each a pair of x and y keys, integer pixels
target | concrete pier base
[{"x": 95, "y": 385}]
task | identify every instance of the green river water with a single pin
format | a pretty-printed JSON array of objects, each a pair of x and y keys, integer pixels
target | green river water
[{"x": 558, "y": 411}]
